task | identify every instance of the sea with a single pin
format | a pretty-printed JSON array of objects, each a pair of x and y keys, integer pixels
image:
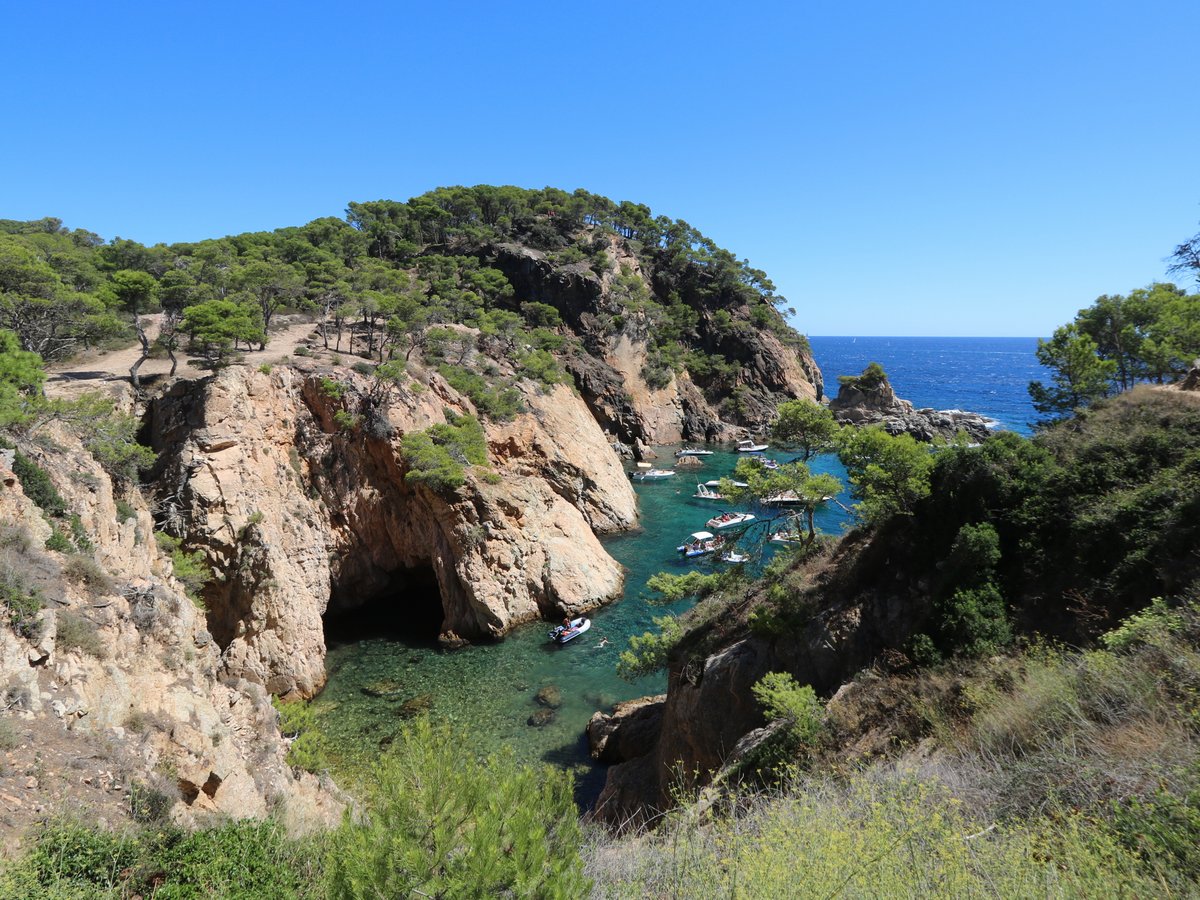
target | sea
[{"x": 488, "y": 692}]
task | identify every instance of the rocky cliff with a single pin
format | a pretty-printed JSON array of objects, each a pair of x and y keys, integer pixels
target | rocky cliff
[
  {"x": 298, "y": 516},
  {"x": 680, "y": 405},
  {"x": 112, "y": 691},
  {"x": 681, "y": 741},
  {"x": 869, "y": 399}
]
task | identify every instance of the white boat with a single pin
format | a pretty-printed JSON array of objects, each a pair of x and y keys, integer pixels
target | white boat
[
  {"x": 783, "y": 498},
  {"x": 564, "y": 633},
  {"x": 729, "y": 520},
  {"x": 749, "y": 446},
  {"x": 732, "y": 556},
  {"x": 693, "y": 451},
  {"x": 704, "y": 492},
  {"x": 765, "y": 461},
  {"x": 651, "y": 474},
  {"x": 787, "y": 536},
  {"x": 700, "y": 543},
  {"x": 716, "y": 482}
]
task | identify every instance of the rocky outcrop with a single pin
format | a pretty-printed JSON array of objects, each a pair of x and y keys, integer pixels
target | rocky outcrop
[
  {"x": 611, "y": 375},
  {"x": 709, "y": 707},
  {"x": 868, "y": 400},
  {"x": 297, "y": 516},
  {"x": 111, "y": 688}
]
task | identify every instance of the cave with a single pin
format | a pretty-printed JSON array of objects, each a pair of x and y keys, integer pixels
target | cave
[{"x": 403, "y": 605}]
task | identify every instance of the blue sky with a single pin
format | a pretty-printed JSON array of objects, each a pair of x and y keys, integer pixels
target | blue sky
[{"x": 901, "y": 168}]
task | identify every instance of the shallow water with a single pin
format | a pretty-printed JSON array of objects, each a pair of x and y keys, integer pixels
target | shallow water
[{"x": 488, "y": 690}]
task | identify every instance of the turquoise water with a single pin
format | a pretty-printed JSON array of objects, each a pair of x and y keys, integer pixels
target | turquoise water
[{"x": 489, "y": 690}]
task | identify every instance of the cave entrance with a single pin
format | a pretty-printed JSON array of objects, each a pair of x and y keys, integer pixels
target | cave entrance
[{"x": 404, "y": 606}]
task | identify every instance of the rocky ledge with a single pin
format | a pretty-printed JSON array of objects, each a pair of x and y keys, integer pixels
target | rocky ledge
[{"x": 869, "y": 399}]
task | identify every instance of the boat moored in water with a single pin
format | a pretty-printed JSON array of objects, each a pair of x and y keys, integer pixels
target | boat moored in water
[
  {"x": 729, "y": 520},
  {"x": 748, "y": 446},
  {"x": 693, "y": 451},
  {"x": 564, "y": 633},
  {"x": 651, "y": 474},
  {"x": 700, "y": 543}
]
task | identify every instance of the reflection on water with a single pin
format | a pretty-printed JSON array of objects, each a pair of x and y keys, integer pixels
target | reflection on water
[{"x": 380, "y": 672}]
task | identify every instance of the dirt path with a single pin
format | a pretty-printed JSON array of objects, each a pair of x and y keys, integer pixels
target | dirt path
[{"x": 96, "y": 371}]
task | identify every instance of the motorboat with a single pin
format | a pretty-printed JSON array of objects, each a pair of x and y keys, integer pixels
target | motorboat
[
  {"x": 704, "y": 492},
  {"x": 564, "y": 633},
  {"x": 716, "y": 482},
  {"x": 651, "y": 474},
  {"x": 732, "y": 556},
  {"x": 729, "y": 520},
  {"x": 765, "y": 461},
  {"x": 693, "y": 451},
  {"x": 700, "y": 543},
  {"x": 748, "y": 446},
  {"x": 787, "y": 536},
  {"x": 783, "y": 498}
]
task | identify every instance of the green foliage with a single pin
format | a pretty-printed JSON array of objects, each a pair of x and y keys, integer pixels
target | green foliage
[
  {"x": 22, "y": 603},
  {"x": 671, "y": 588},
  {"x": 59, "y": 542},
  {"x": 498, "y": 402},
  {"x": 889, "y": 475},
  {"x": 125, "y": 510},
  {"x": 872, "y": 377},
  {"x": 37, "y": 486},
  {"x": 805, "y": 425},
  {"x": 21, "y": 377},
  {"x": 190, "y": 567},
  {"x": 309, "y": 748},
  {"x": 334, "y": 390},
  {"x": 438, "y": 456},
  {"x": 442, "y": 822},
  {"x": 1080, "y": 375},
  {"x": 242, "y": 859},
  {"x": 648, "y": 652},
  {"x": 1144, "y": 626},
  {"x": 781, "y": 697}
]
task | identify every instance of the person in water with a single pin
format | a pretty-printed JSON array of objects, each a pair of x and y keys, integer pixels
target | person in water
[{"x": 603, "y": 641}]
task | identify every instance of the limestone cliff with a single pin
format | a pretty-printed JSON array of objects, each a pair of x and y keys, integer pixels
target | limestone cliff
[
  {"x": 297, "y": 515},
  {"x": 612, "y": 374},
  {"x": 111, "y": 687}
]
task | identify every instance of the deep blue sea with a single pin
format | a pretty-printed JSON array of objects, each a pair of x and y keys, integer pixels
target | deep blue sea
[
  {"x": 488, "y": 691},
  {"x": 988, "y": 376}
]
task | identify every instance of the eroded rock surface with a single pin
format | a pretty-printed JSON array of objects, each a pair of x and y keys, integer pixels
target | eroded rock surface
[{"x": 869, "y": 402}]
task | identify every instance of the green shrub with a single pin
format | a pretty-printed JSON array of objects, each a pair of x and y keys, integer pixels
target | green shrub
[
  {"x": 670, "y": 588},
  {"x": 440, "y": 822},
  {"x": 191, "y": 568},
  {"x": 125, "y": 511},
  {"x": 79, "y": 535},
  {"x": 648, "y": 652},
  {"x": 298, "y": 722},
  {"x": 437, "y": 456},
  {"x": 23, "y": 604},
  {"x": 1155, "y": 620},
  {"x": 498, "y": 402},
  {"x": 302, "y": 351},
  {"x": 86, "y": 571},
  {"x": 265, "y": 368},
  {"x": 37, "y": 486},
  {"x": 59, "y": 542}
]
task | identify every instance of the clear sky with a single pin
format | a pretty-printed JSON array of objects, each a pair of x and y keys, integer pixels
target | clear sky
[{"x": 897, "y": 168}]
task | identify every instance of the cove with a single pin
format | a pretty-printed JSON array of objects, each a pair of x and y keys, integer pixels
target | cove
[{"x": 381, "y": 670}]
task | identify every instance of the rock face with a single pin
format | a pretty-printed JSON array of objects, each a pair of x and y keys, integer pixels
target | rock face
[
  {"x": 709, "y": 707},
  {"x": 297, "y": 517},
  {"x": 117, "y": 672},
  {"x": 871, "y": 401},
  {"x": 611, "y": 374}
]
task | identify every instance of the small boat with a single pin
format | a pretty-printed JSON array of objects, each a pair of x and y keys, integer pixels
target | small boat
[
  {"x": 716, "y": 482},
  {"x": 765, "y": 461},
  {"x": 732, "y": 556},
  {"x": 729, "y": 520},
  {"x": 787, "y": 536},
  {"x": 783, "y": 498},
  {"x": 704, "y": 492},
  {"x": 693, "y": 451},
  {"x": 651, "y": 474},
  {"x": 749, "y": 446},
  {"x": 700, "y": 543},
  {"x": 564, "y": 633}
]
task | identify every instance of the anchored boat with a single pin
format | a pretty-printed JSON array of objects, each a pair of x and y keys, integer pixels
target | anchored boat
[{"x": 564, "y": 633}]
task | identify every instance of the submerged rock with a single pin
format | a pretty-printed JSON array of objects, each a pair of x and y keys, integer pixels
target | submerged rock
[
  {"x": 550, "y": 696},
  {"x": 541, "y": 718},
  {"x": 415, "y": 706}
]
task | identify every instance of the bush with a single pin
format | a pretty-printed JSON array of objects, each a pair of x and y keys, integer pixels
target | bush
[
  {"x": 437, "y": 456},
  {"x": 441, "y": 822},
  {"x": 191, "y": 568},
  {"x": 298, "y": 722},
  {"x": 125, "y": 511},
  {"x": 23, "y": 604},
  {"x": 77, "y": 633},
  {"x": 648, "y": 653},
  {"x": 59, "y": 542},
  {"x": 37, "y": 486},
  {"x": 85, "y": 571}
]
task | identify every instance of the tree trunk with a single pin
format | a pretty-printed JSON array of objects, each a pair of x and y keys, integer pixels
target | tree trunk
[{"x": 133, "y": 371}]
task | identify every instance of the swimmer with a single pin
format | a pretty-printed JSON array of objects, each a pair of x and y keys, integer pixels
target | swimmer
[{"x": 603, "y": 642}]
